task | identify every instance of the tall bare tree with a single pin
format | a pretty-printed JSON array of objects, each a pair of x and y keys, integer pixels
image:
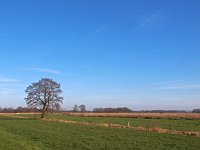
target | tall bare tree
[{"x": 44, "y": 94}]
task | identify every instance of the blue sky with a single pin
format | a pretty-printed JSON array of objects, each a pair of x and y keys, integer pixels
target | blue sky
[{"x": 140, "y": 54}]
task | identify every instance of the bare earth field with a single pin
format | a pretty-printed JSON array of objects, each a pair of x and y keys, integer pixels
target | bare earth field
[
  {"x": 142, "y": 115},
  {"x": 128, "y": 115}
]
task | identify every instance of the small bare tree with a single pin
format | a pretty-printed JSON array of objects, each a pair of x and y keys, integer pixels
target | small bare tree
[
  {"x": 44, "y": 94},
  {"x": 75, "y": 108},
  {"x": 82, "y": 108}
]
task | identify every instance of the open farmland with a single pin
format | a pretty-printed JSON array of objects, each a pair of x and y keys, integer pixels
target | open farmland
[
  {"x": 191, "y": 123},
  {"x": 27, "y": 133},
  {"x": 142, "y": 115}
]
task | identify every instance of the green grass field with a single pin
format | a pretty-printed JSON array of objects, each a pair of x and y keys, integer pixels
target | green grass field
[
  {"x": 173, "y": 124},
  {"x": 18, "y": 133}
]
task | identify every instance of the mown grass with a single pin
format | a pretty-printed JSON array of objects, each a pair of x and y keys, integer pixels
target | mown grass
[
  {"x": 42, "y": 135},
  {"x": 172, "y": 124}
]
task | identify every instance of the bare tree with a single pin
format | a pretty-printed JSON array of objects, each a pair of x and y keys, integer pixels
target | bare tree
[
  {"x": 44, "y": 94},
  {"x": 75, "y": 108},
  {"x": 57, "y": 107},
  {"x": 82, "y": 108}
]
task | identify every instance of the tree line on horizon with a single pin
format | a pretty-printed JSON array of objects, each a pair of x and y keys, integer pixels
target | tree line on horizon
[
  {"x": 21, "y": 109},
  {"x": 44, "y": 96}
]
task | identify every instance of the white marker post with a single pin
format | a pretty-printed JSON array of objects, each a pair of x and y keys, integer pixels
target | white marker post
[{"x": 129, "y": 125}]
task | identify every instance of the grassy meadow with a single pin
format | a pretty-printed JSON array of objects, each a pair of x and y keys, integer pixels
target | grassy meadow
[
  {"x": 165, "y": 123},
  {"x": 22, "y": 133}
]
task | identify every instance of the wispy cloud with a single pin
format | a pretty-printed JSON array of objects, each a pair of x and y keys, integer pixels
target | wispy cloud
[
  {"x": 6, "y": 91},
  {"x": 12, "y": 85},
  {"x": 177, "y": 85},
  {"x": 8, "y": 85},
  {"x": 99, "y": 30},
  {"x": 7, "y": 88},
  {"x": 171, "y": 82},
  {"x": 121, "y": 90},
  {"x": 8, "y": 80},
  {"x": 181, "y": 86},
  {"x": 45, "y": 70},
  {"x": 148, "y": 20}
]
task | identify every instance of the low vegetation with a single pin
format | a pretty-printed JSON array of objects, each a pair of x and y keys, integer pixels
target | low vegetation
[
  {"x": 164, "y": 123},
  {"x": 19, "y": 133}
]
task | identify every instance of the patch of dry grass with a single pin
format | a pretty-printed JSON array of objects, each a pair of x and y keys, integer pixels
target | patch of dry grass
[{"x": 142, "y": 115}]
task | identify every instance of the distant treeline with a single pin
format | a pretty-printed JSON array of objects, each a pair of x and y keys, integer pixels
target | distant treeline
[
  {"x": 112, "y": 110},
  {"x": 127, "y": 110},
  {"x": 22, "y": 110},
  {"x": 95, "y": 110},
  {"x": 163, "y": 111},
  {"x": 18, "y": 110},
  {"x": 196, "y": 111}
]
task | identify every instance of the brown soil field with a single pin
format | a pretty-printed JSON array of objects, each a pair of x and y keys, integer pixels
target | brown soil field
[
  {"x": 142, "y": 115},
  {"x": 128, "y": 115}
]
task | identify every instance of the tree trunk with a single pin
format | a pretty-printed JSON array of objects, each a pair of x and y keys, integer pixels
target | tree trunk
[
  {"x": 45, "y": 109},
  {"x": 43, "y": 112}
]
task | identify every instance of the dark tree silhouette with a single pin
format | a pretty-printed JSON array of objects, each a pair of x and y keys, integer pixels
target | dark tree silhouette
[
  {"x": 82, "y": 108},
  {"x": 44, "y": 94}
]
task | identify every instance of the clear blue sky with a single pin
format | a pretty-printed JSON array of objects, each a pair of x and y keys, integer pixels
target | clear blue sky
[{"x": 142, "y": 54}]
